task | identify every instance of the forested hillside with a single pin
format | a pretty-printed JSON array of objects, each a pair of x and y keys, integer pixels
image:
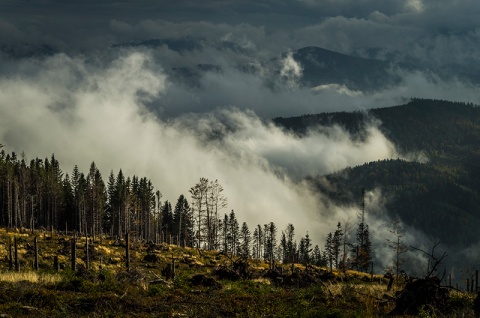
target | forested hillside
[{"x": 438, "y": 193}]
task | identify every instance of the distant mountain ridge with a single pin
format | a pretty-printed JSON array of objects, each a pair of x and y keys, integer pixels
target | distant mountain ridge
[
  {"x": 321, "y": 67},
  {"x": 27, "y": 50},
  {"x": 174, "y": 44},
  {"x": 432, "y": 126}
]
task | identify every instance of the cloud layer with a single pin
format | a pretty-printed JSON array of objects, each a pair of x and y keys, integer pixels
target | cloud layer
[
  {"x": 440, "y": 36},
  {"x": 87, "y": 112},
  {"x": 429, "y": 30}
]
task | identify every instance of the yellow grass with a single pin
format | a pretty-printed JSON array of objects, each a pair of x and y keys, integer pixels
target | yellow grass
[
  {"x": 3, "y": 251},
  {"x": 16, "y": 233},
  {"x": 32, "y": 277},
  {"x": 262, "y": 280},
  {"x": 104, "y": 250},
  {"x": 263, "y": 266},
  {"x": 353, "y": 273}
]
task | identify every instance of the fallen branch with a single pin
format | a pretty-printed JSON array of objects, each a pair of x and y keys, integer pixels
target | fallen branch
[
  {"x": 435, "y": 261},
  {"x": 159, "y": 280}
]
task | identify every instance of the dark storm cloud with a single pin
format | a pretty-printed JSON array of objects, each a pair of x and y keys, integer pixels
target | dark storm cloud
[
  {"x": 345, "y": 25},
  {"x": 234, "y": 34},
  {"x": 409, "y": 30}
]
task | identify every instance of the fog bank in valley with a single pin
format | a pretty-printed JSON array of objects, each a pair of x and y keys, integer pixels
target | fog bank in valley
[{"x": 85, "y": 112}]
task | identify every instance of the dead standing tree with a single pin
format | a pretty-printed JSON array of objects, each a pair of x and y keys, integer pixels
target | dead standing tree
[
  {"x": 399, "y": 249},
  {"x": 433, "y": 262},
  {"x": 424, "y": 292}
]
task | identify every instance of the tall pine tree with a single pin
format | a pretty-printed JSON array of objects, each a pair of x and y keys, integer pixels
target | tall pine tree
[{"x": 363, "y": 249}]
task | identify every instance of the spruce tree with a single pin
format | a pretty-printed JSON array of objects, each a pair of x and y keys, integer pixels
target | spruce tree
[
  {"x": 283, "y": 248},
  {"x": 270, "y": 233},
  {"x": 363, "y": 249},
  {"x": 301, "y": 251},
  {"x": 258, "y": 242},
  {"x": 337, "y": 244},
  {"x": 291, "y": 245},
  {"x": 317, "y": 256},
  {"x": 167, "y": 221},
  {"x": 329, "y": 253},
  {"x": 183, "y": 222},
  {"x": 233, "y": 233},
  {"x": 305, "y": 249},
  {"x": 68, "y": 204},
  {"x": 245, "y": 240}
]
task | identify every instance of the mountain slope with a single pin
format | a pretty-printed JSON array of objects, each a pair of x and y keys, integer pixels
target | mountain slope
[
  {"x": 445, "y": 131},
  {"x": 180, "y": 45},
  {"x": 439, "y": 197},
  {"x": 321, "y": 67}
]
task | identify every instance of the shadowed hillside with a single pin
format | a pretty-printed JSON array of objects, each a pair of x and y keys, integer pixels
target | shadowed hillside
[{"x": 439, "y": 194}]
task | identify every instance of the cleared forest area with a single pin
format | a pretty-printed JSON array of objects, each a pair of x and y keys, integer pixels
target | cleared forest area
[{"x": 162, "y": 280}]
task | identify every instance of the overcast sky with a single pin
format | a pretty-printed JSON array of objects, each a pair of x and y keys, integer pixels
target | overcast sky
[
  {"x": 438, "y": 29},
  {"x": 65, "y": 89},
  {"x": 441, "y": 35}
]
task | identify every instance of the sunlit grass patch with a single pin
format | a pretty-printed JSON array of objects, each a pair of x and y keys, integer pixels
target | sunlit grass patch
[
  {"x": 300, "y": 267},
  {"x": 30, "y": 276},
  {"x": 262, "y": 280},
  {"x": 338, "y": 289},
  {"x": 12, "y": 234},
  {"x": 106, "y": 251},
  {"x": 360, "y": 274},
  {"x": 3, "y": 251}
]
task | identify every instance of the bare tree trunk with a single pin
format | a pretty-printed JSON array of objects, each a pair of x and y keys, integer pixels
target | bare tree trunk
[
  {"x": 35, "y": 243},
  {"x": 9, "y": 203},
  {"x": 56, "y": 265},
  {"x": 32, "y": 216},
  {"x": 17, "y": 263},
  {"x": 74, "y": 254},
  {"x": 127, "y": 256},
  {"x": 10, "y": 259},
  {"x": 476, "y": 280},
  {"x": 87, "y": 255}
]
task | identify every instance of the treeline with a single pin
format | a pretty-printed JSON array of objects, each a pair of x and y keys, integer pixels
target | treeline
[{"x": 39, "y": 195}]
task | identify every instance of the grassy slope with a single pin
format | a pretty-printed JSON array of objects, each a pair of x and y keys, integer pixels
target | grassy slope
[{"x": 112, "y": 291}]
